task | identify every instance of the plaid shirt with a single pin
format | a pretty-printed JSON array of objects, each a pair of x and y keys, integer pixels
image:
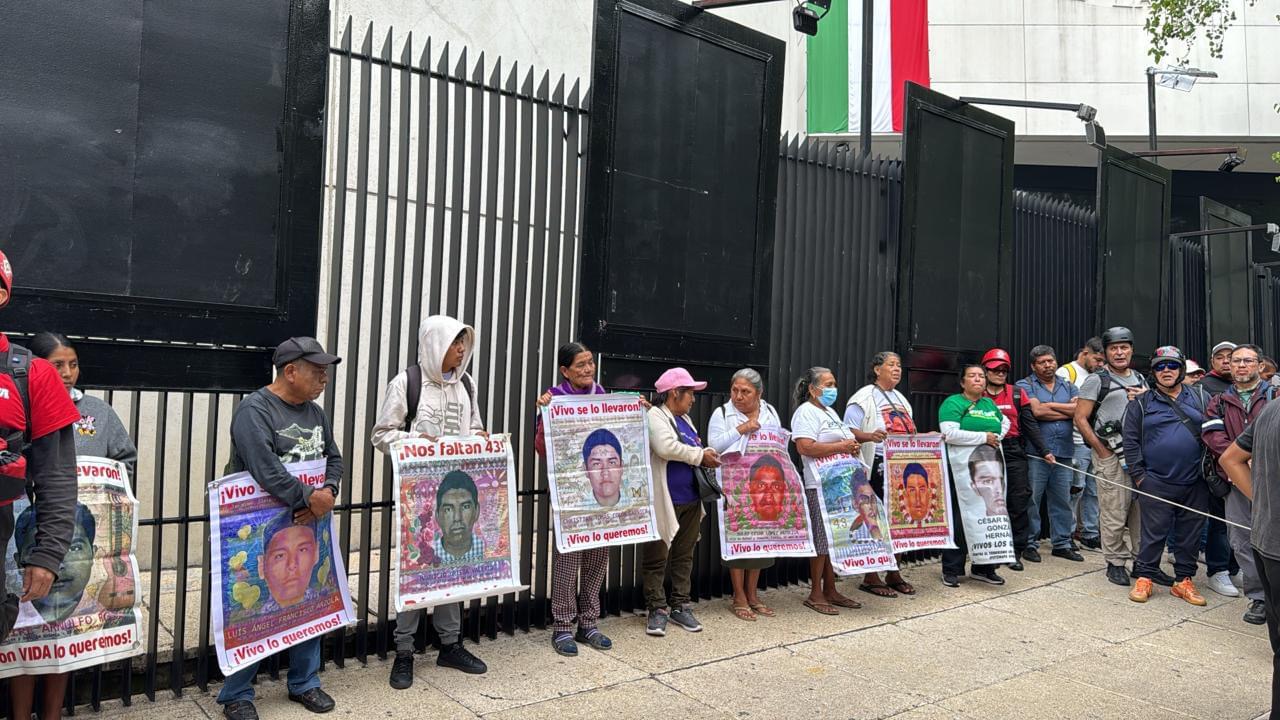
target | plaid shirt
[{"x": 474, "y": 555}]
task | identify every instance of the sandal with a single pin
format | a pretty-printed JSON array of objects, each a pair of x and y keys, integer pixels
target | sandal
[
  {"x": 564, "y": 644},
  {"x": 762, "y": 609},
  {"x": 823, "y": 608},
  {"x": 844, "y": 602},
  {"x": 879, "y": 590},
  {"x": 903, "y": 587},
  {"x": 742, "y": 612}
]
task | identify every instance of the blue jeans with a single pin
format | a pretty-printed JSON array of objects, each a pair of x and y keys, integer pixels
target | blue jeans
[
  {"x": 304, "y": 669},
  {"x": 1085, "y": 502},
  {"x": 1052, "y": 484}
]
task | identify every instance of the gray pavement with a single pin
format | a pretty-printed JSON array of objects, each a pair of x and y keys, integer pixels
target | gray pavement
[{"x": 1057, "y": 641}]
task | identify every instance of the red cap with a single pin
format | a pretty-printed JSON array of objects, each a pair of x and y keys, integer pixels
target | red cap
[
  {"x": 996, "y": 357},
  {"x": 6, "y": 275}
]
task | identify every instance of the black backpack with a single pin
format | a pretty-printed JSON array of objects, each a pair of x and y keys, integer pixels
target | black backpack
[
  {"x": 413, "y": 392},
  {"x": 16, "y": 363},
  {"x": 1106, "y": 382}
]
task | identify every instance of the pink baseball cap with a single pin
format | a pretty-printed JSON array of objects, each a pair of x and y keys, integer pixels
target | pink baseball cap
[
  {"x": 1193, "y": 367},
  {"x": 677, "y": 377}
]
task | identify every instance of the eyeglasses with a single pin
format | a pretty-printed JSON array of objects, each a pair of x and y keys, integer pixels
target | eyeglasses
[
  {"x": 1244, "y": 361},
  {"x": 1165, "y": 366}
]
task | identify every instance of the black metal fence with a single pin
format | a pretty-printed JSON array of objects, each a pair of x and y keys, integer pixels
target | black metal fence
[{"x": 454, "y": 186}]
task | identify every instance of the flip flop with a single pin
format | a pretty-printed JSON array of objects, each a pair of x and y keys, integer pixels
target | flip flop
[
  {"x": 878, "y": 590},
  {"x": 845, "y": 602},
  {"x": 823, "y": 608},
  {"x": 903, "y": 587},
  {"x": 762, "y": 609},
  {"x": 742, "y": 612}
]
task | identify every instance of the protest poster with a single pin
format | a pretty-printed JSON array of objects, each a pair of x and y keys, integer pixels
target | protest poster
[
  {"x": 856, "y": 525},
  {"x": 763, "y": 511},
  {"x": 455, "y": 522},
  {"x": 93, "y": 612},
  {"x": 917, "y": 492},
  {"x": 978, "y": 475},
  {"x": 276, "y": 583},
  {"x": 598, "y": 466}
]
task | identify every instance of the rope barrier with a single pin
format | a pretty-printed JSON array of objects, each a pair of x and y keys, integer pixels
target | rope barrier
[{"x": 1145, "y": 494}]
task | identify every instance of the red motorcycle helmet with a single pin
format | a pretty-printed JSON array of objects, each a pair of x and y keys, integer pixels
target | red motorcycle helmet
[{"x": 996, "y": 357}]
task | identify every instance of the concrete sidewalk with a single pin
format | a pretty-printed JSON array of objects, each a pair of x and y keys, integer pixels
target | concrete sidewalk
[{"x": 1057, "y": 641}]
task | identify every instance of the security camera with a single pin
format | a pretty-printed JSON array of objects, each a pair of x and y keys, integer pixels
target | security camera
[
  {"x": 1273, "y": 231},
  {"x": 804, "y": 20},
  {"x": 1231, "y": 162}
]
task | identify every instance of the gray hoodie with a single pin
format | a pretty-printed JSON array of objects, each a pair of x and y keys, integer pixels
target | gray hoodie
[
  {"x": 445, "y": 406},
  {"x": 100, "y": 433}
]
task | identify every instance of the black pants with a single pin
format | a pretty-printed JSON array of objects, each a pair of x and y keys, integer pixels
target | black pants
[
  {"x": 9, "y": 608},
  {"x": 1018, "y": 494},
  {"x": 1159, "y": 517},
  {"x": 1269, "y": 573},
  {"x": 953, "y": 560}
]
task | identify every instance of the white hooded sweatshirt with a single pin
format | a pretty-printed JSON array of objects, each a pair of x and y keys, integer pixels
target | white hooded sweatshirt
[{"x": 445, "y": 406}]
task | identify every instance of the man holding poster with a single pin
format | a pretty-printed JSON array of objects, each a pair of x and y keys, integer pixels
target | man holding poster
[
  {"x": 274, "y": 425},
  {"x": 972, "y": 427},
  {"x": 917, "y": 492}
]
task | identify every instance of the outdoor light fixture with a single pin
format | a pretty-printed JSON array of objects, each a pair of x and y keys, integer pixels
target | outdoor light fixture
[
  {"x": 804, "y": 20},
  {"x": 1095, "y": 135},
  {"x": 1178, "y": 78},
  {"x": 1231, "y": 162}
]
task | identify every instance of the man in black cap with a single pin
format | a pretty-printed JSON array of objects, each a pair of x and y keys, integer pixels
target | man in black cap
[{"x": 274, "y": 425}]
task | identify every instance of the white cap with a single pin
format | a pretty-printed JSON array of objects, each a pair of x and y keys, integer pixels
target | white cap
[
  {"x": 1224, "y": 345},
  {"x": 1193, "y": 367}
]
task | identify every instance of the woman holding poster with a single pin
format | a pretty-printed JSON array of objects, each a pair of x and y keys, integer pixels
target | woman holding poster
[
  {"x": 874, "y": 412},
  {"x": 972, "y": 427},
  {"x": 576, "y": 577},
  {"x": 819, "y": 433},
  {"x": 745, "y": 413},
  {"x": 99, "y": 433},
  {"x": 674, "y": 450}
]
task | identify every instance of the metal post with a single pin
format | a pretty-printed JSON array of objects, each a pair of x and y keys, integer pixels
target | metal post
[
  {"x": 1151, "y": 111},
  {"x": 864, "y": 121}
]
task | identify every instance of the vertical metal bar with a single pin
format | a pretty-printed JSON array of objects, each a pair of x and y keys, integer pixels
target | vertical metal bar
[
  {"x": 374, "y": 343},
  {"x": 1151, "y": 114},
  {"x": 180, "y": 569},
  {"x": 456, "y": 173},
  {"x": 471, "y": 293},
  {"x": 537, "y": 299},
  {"x": 206, "y": 580},
  {"x": 339, "y": 229},
  {"x": 351, "y": 362},
  {"x": 420, "y": 199},
  {"x": 157, "y": 543},
  {"x": 520, "y": 334},
  {"x": 394, "y": 359},
  {"x": 868, "y": 38},
  {"x": 438, "y": 279}
]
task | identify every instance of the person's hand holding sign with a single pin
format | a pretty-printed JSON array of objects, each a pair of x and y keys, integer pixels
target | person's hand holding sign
[
  {"x": 710, "y": 458},
  {"x": 36, "y": 582}
]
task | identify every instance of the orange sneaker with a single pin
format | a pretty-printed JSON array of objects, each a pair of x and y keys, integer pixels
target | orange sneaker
[
  {"x": 1186, "y": 590},
  {"x": 1141, "y": 591}
]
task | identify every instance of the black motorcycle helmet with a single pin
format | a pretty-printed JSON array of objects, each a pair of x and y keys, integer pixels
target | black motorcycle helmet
[{"x": 1117, "y": 334}]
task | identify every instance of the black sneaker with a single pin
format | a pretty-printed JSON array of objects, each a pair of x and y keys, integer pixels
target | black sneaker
[
  {"x": 1091, "y": 543},
  {"x": 683, "y": 617},
  {"x": 240, "y": 710},
  {"x": 1068, "y": 553},
  {"x": 1016, "y": 566},
  {"x": 986, "y": 576},
  {"x": 1158, "y": 577},
  {"x": 1256, "y": 614},
  {"x": 950, "y": 580},
  {"x": 1117, "y": 575},
  {"x": 1031, "y": 555},
  {"x": 315, "y": 700},
  {"x": 459, "y": 658},
  {"x": 402, "y": 670}
]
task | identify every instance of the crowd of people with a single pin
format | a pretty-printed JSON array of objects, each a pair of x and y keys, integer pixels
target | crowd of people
[{"x": 1118, "y": 462}]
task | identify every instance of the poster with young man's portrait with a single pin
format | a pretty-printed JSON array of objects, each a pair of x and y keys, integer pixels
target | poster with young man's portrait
[
  {"x": 763, "y": 511},
  {"x": 917, "y": 492},
  {"x": 855, "y": 522},
  {"x": 277, "y": 582},
  {"x": 455, "y": 520},
  {"x": 93, "y": 612},
  {"x": 978, "y": 473},
  {"x": 598, "y": 467}
]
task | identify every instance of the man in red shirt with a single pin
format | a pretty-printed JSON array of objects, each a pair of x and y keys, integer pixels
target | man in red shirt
[
  {"x": 37, "y": 447},
  {"x": 1022, "y": 424}
]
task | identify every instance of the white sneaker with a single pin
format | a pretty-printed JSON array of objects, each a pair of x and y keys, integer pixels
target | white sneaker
[{"x": 1221, "y": 584}]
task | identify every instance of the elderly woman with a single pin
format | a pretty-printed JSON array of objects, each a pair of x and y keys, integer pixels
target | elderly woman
[
  {"x": 818, "y": 433},
  {"x": 745, "y": 413},
  {"x": 970, "y": 417},
  {"x": 873, "y": 412},
  {"x": 674, "y": 450},
  {"x": 100, "y": 433},
  {"x": 576, "y": 577}
]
